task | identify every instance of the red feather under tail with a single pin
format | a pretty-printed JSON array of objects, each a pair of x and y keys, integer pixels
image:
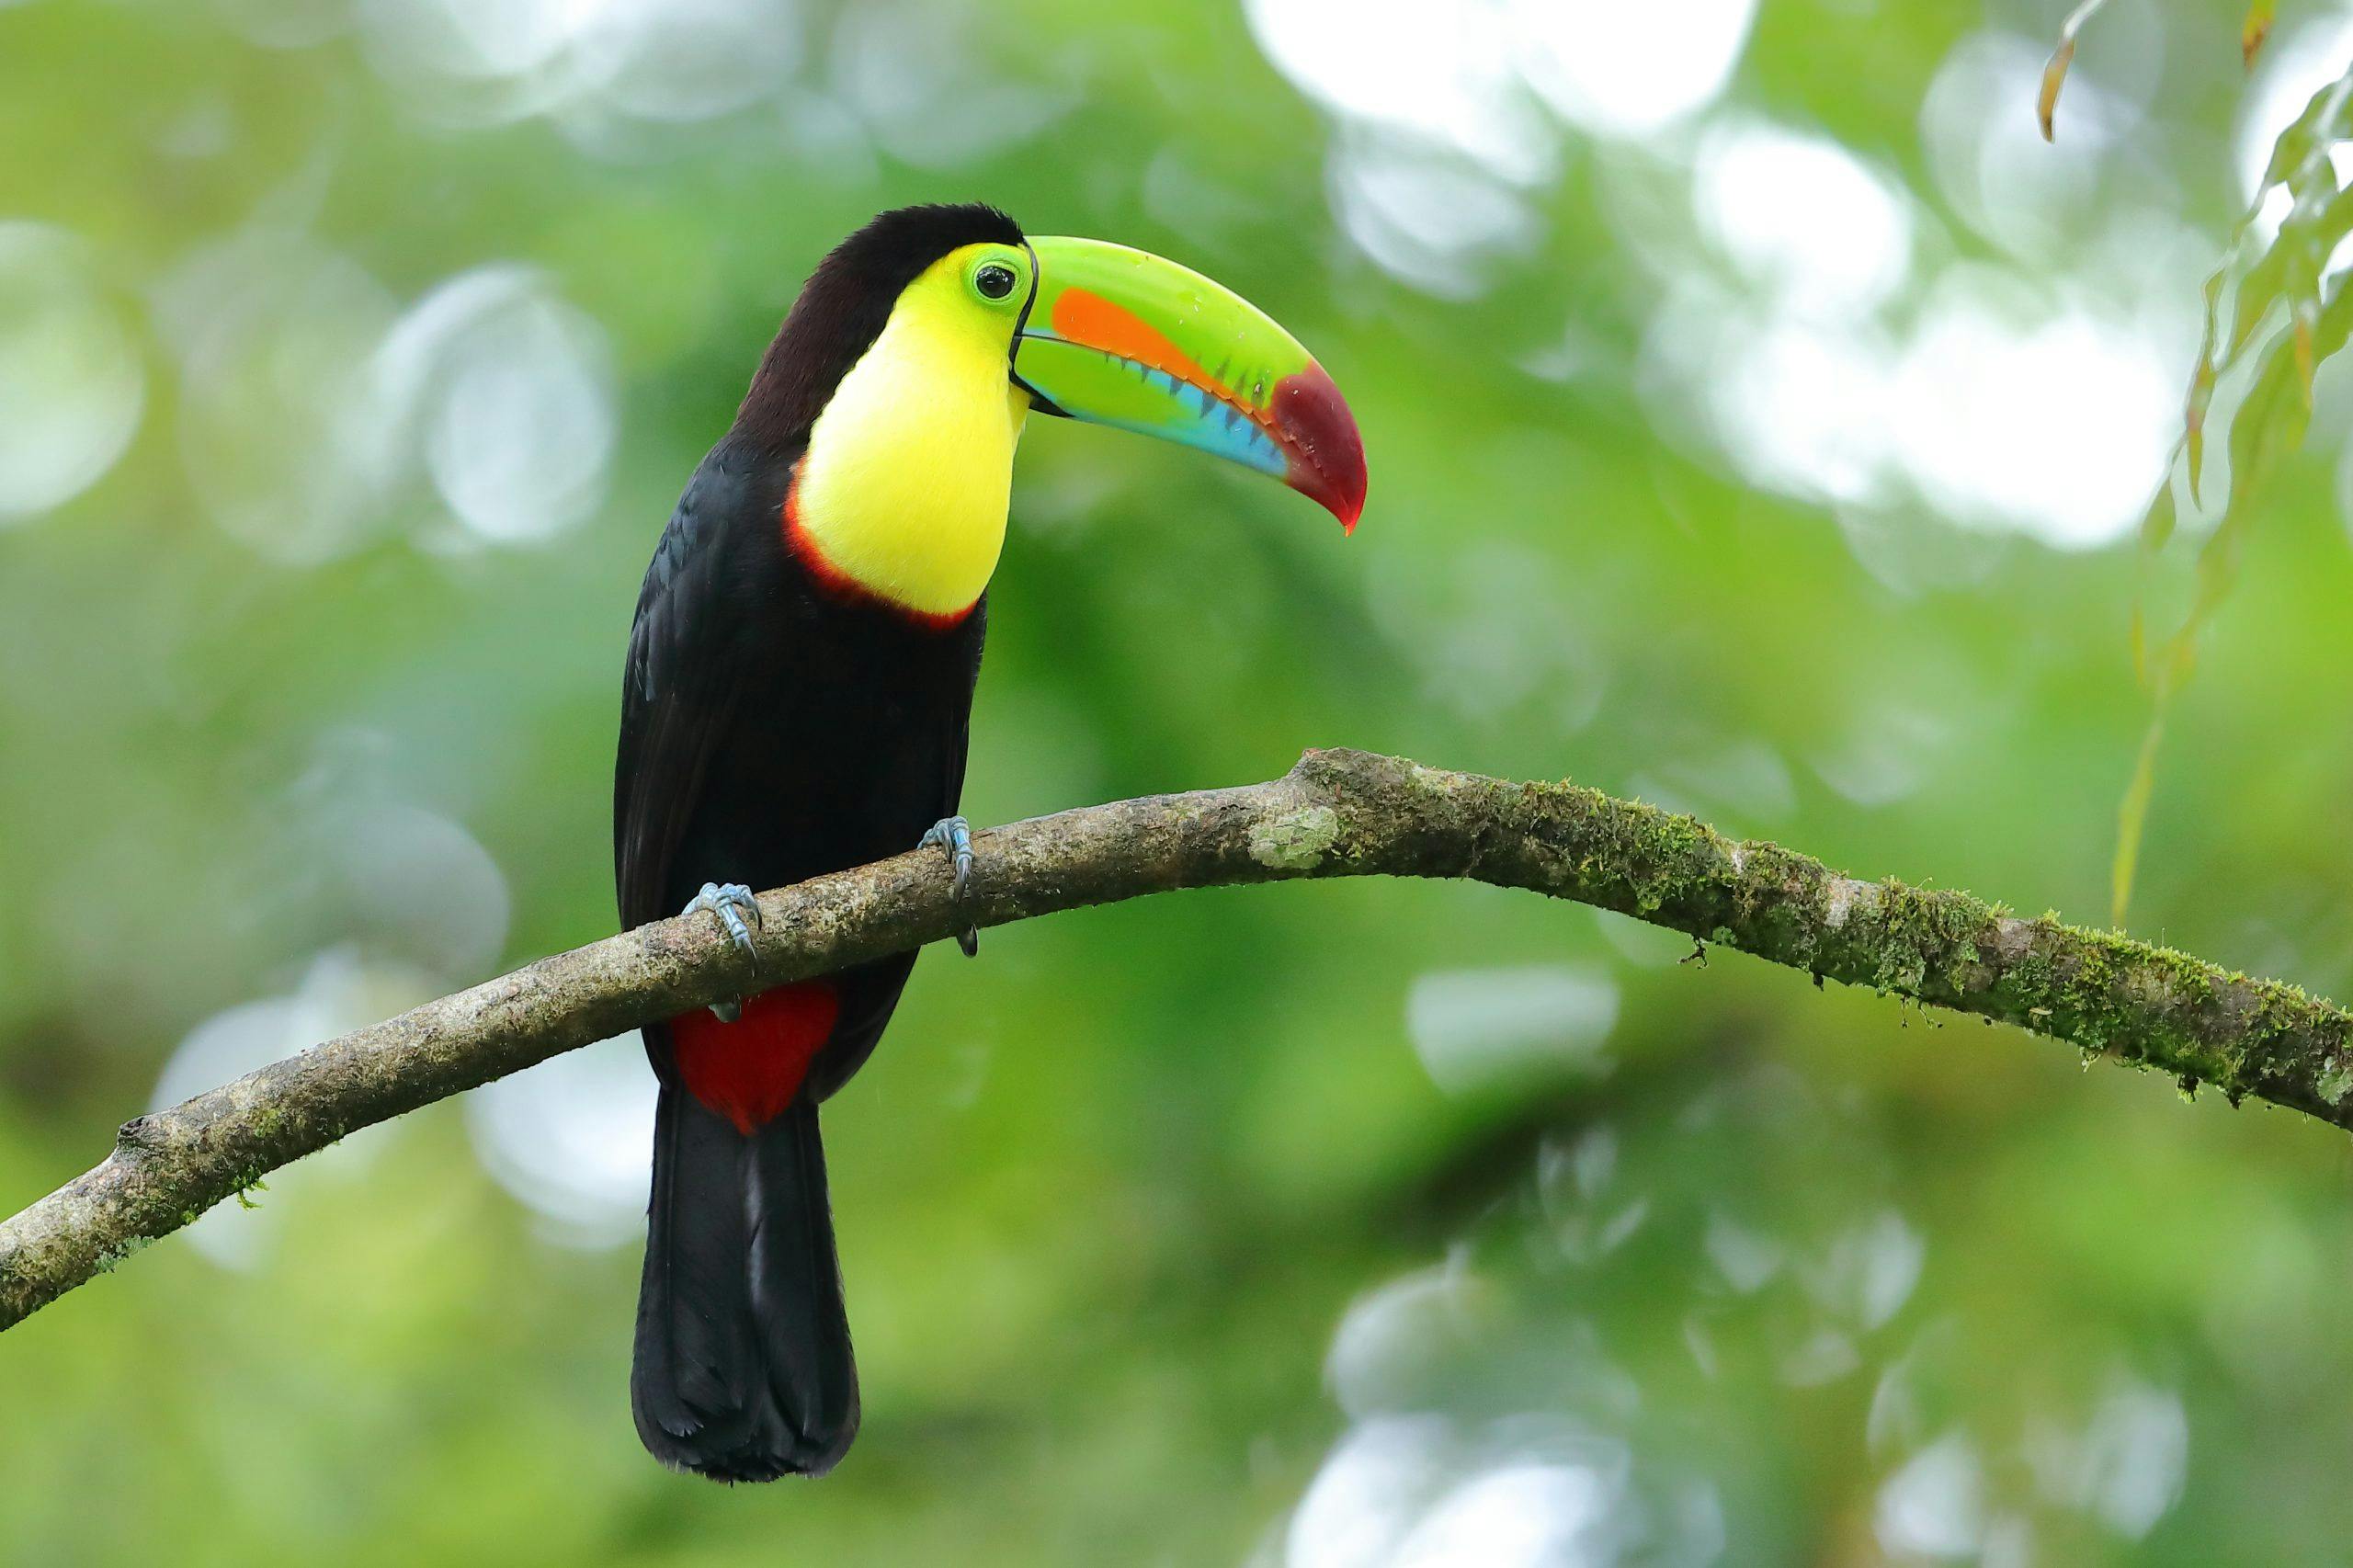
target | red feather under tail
[{"x": 748, "y": 1071}]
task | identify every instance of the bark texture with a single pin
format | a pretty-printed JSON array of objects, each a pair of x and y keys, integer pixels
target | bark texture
[{"x": 1336, "y": 813}]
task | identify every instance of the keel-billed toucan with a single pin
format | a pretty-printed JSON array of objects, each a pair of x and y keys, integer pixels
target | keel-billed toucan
[{"x": 800, "y": 681}]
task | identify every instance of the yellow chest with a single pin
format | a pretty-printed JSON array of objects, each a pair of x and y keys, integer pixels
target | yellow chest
[{"x": 903, "y": 489}]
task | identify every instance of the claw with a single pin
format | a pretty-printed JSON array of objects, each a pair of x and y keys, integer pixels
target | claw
[
  {"x": 954, "y": 837},
  {"x": 731, "y": 901}
]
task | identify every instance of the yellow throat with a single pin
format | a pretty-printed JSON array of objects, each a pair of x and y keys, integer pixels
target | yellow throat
[{"x": 910, "y": 467}]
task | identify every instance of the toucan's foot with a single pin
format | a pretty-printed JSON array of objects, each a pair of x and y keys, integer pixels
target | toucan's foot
[
  {"x": 731, "y": 901},
  {"x": 953, "y": 837}
]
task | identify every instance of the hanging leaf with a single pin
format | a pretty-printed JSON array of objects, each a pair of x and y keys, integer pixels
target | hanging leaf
[
  {"x": 2054, "y": 75},
  {"x": 2201, "y": 396},
  {"x": 2284, "y": 323},
  {"x": 2257, "y": 28},
  {"x": 2252, "y": 34}
]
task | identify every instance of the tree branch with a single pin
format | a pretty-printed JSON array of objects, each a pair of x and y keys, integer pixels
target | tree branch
[{"x": 1336, "y": 813}]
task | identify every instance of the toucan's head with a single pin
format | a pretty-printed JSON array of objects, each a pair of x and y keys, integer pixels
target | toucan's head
[{"x": 906, "y": 310}]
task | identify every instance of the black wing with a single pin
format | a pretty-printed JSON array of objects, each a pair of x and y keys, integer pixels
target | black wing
[{"x": 684, "y": 682}]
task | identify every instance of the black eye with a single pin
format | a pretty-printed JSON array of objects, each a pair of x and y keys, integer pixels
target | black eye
[{"x": 995, "y": 281}]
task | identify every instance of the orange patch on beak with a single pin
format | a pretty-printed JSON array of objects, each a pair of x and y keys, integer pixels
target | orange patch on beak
[{"x": 1095, "y": 322}]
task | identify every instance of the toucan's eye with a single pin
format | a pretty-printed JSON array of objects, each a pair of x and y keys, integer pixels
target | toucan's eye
[{"x": 995, "y": 280}]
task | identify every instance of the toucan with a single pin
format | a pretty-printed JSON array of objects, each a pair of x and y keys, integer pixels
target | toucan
[{"x": 798, "y": 695}]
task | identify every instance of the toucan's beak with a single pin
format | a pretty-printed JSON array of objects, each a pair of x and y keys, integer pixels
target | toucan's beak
[{"x": 1122, "y": 338}]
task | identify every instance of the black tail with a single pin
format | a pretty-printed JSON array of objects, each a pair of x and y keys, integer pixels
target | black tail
[{"x": 742, "y": 1370}]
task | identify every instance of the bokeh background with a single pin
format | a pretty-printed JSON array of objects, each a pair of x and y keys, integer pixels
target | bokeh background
[{"x": 1758, "y": 414}]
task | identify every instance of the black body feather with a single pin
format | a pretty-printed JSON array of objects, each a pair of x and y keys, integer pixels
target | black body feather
[{"x": 774, "y": 729}]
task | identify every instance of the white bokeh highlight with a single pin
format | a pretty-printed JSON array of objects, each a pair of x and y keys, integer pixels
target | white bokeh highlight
[
  {"x": 899, "y": 66},
  {"x": 1448, "y": 117},
  {"x": 1935, "y": 1505},
  {"x": 1516, "y": 1516},
  {"x": 1393, "y": 1345},
  {"x": 2030, "y": 198},
  {"x": 1425, "y": 216},
  {"x": 585, "y": 64},
  {"x": 1367, "y": 1494},
  {"x": 1812, "y": 227},
  {"x": 1819, "y": 360},
  {"x": 1520, "y": 1492},
  {"x": 1632, "y": 71},
  {"x": 2126, "y": 1466},
  {"x": 72, "y": 381},
  {"x": 317, "y": 417},
  {"x": 510, "y": 394},
  {"x": 1477, "y": 1029},
  {"x": 285, "y": 442},
  {"x": 1448, "y": 79},
  {"x": 572, "y": 1140},
  {"x": 416, "y": 883}
]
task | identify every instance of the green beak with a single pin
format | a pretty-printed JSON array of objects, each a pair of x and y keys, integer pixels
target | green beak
[{"x": 1122, "y": 338}]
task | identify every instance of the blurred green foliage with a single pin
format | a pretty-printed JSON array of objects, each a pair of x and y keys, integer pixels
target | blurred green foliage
[
  {"x": 1449, "y": 1213},
  {"x": 2274, "y": 314}
]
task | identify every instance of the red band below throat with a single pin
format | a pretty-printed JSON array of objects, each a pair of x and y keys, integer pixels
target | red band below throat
[{"x": 840, "y": 585}]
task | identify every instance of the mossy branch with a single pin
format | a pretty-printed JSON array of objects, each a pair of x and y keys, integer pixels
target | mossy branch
[{"x": 1336, "y": 813}]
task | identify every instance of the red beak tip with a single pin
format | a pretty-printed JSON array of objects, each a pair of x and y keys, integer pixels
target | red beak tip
[{"x": 1328, "y": 455}]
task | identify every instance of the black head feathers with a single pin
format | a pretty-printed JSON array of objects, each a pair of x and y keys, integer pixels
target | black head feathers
[
  {"x": 894, "y": 247},
  {"x": 845, "y": 304}
]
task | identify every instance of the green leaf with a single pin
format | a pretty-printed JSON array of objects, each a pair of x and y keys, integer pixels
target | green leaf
[
  {"x": 2156, "y": 527},
  {"x": 2282, "y": 329}
]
